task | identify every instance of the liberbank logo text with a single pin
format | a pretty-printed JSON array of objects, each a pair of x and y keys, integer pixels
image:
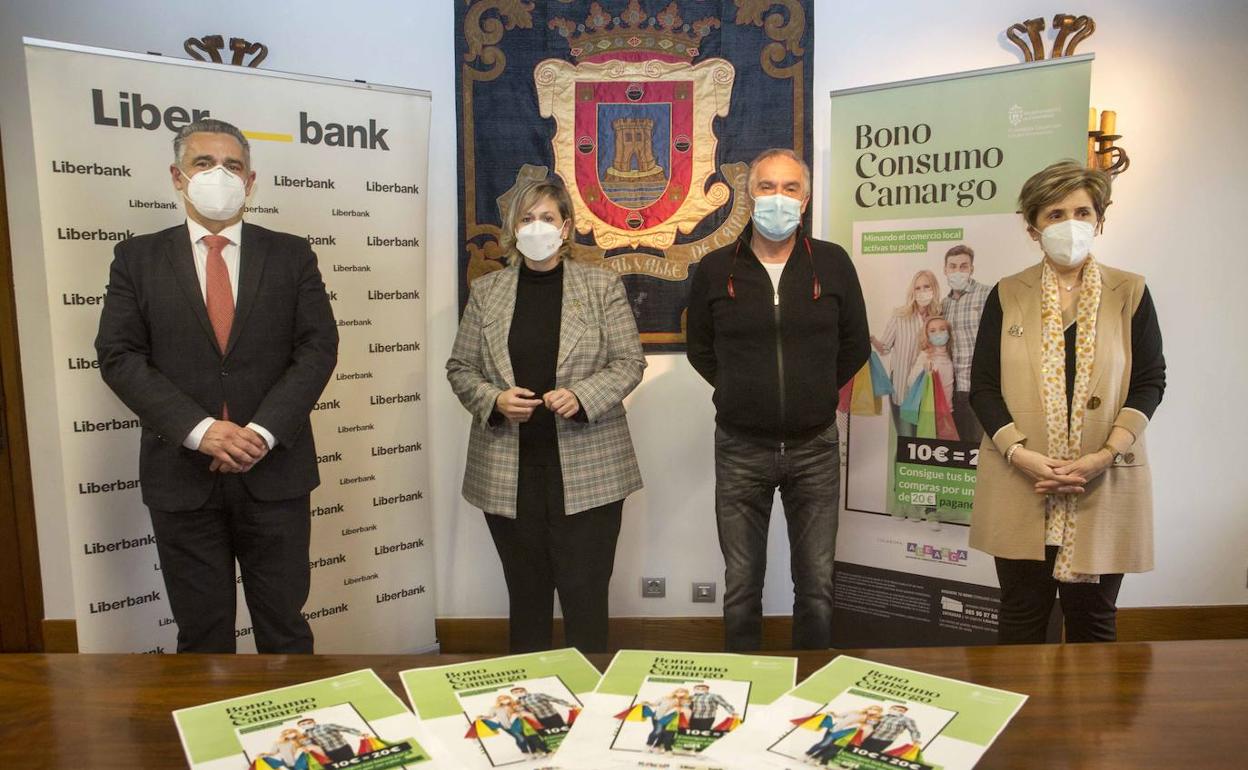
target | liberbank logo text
[{"x": 129, "y": 109}]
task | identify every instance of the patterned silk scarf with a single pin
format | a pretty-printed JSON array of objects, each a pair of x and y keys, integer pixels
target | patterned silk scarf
[{"x": 1065, "y": 431}]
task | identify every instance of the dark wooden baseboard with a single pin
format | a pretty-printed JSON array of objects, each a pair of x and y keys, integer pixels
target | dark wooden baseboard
[
  {"x": 60, "y": 635},
  {"x": 706, "y": 634},
  {"x": 488, "y": 636},
  {"x": 1165, "y": 624}
]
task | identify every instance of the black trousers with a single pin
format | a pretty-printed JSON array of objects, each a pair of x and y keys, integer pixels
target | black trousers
[
  {"x": 269, "y": 540},
  {"x": 552, "y": 722},
  {"x": 340, "y": 754},
  {"x": 1028, "y": 589},
  {"x": 701, "y": 723},
  {"x": 875, "y": 744},
  {"x": 544, "y": 550}
]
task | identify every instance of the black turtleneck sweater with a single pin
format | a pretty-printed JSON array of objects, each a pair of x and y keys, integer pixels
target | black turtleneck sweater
[{"x": 533, "y": 345}]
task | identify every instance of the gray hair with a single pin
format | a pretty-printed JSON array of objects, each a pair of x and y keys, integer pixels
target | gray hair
[
  {"x": 779, "y": 152},
  {"x": 208, "y": 126}
]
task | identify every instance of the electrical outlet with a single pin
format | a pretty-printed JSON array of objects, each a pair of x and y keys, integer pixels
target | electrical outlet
[
  {"x": 653, "y": 587},
  {"x": 704, "y": 592}
]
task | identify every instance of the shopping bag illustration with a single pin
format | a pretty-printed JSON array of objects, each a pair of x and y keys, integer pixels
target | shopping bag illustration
[
  {"x": 946, "y": 429},
  {"x": 914, "y": 399}
]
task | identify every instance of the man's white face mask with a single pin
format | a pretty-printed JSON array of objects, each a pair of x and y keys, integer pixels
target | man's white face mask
[{"x": 216, "y": 193}]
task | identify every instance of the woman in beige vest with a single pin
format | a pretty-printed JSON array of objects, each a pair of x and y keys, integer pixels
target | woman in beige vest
[{"x": 1068, "y": 370}]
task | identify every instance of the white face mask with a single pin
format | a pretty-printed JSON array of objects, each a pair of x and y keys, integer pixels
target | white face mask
[
  {"x": 539, "y": 241},
  {"x": 924, "y": 296},
  {"x": 958, "y": 281},
  {"x": 1068, "y": 243},
  {"x": 216, "y": 193}
]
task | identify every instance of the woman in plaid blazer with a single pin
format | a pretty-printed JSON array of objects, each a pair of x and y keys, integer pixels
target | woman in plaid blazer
[{"x": 547, "y": 350}]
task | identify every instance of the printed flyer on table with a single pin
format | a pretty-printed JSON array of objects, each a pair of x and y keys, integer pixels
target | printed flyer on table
[
  {"x": 347, "y": 721},
  {"x": 854, "y": 713},
  {"x": 503, "y": 712},
  {"x": 660, "y": 710}
]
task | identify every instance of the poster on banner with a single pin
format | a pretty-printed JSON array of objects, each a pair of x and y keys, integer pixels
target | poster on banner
[
  {"x": 513, "y": 711},
  {"x": 347, "y": 721},
  {"x": 925, "y": 177},
  {"x": 344, "y": 165},
  {"x": 661, "y": 710},
  {"x": 855, "y": 713}
]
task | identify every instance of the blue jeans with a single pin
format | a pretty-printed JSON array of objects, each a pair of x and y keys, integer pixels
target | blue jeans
[{"x": 809, "y": 478}]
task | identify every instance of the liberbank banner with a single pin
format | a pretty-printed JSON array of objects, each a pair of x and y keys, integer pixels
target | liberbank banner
[
  {"x": 924, "y": 185},
  {"x": 341, "y": 163}
]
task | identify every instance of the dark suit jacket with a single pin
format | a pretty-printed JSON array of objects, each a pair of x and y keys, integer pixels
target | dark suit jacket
[{"x": 158, "y": 353}]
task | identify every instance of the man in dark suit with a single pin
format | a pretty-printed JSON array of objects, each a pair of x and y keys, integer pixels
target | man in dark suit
[{"x": 219, "y": 335}]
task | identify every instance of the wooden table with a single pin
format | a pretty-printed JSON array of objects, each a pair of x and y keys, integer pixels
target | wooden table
[{"x": 1160, "y": 704}]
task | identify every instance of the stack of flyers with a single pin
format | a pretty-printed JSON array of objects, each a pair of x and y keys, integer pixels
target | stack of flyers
[
  {"x": 854, "y": 713},
  {"x": 662, "y": 709},
  {"x": 503, "y": 712},
  {"x": 346, "y": 721}
]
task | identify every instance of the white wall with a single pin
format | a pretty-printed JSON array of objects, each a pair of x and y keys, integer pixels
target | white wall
[{"x": 1174, "y": 73}]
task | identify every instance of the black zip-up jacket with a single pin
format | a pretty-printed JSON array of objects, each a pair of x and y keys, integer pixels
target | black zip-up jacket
[{"x": 777, "y": 368}]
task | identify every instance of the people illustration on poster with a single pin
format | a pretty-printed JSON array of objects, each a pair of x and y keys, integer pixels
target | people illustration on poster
[
  {"x": 311, "y": 740},
  {"x": 840, "y": 730},
  {"x": 923, "y": 355},
  {"x": 900, "y": 342},
  {"x": 542, "y": 706},
  {"x": 520, "y": 721},
  {"x": 704, "y": 705},
  {"x": 521, "y": 725},
  {"x": 860, "y": 726},
  {"x": 935, "y": 359},
  {"x": 963, "y": 306},
  {"x": 666, "y": 715},
  {"x": 293, "y": 750},
  {"x": 680, "y": 718}
]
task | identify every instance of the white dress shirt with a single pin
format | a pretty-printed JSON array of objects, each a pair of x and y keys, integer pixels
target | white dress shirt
[{"x": 231, "y": 256}]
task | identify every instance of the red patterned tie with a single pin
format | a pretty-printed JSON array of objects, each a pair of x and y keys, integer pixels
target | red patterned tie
[{"x": 219, "y": 297}]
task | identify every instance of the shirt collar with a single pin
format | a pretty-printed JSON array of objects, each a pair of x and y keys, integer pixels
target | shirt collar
[{"x": 234, "y": 232}]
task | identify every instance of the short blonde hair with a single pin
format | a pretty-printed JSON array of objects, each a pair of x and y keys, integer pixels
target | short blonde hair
[
  {"x": 1057, "y": 181},
  {"x": 526, "y": 198}
]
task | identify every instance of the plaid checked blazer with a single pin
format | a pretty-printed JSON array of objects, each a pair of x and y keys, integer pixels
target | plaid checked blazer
[{"x": 600, "y": 360}]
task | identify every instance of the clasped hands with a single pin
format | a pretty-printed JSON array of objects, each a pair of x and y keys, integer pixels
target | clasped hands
[
  {"x": 517, "y": 404},
  {"x": 1062, "y": 477},
  {"x": 232, "y": 447}
]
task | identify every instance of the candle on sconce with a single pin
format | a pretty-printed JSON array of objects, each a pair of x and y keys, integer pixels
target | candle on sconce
[
  {"x": 1091, "y": 118},
  {"x": 1109, "y": 122}
]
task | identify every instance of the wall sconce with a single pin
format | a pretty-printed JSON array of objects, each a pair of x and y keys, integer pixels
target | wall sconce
[
  {"x": 1071, "y": 31},
  {"x": 212, "y": 45},
  {"x": 1103, "y": 153}
]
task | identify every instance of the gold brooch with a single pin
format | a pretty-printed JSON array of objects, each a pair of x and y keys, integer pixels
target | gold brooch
[{"x": 1016, "y": 331}]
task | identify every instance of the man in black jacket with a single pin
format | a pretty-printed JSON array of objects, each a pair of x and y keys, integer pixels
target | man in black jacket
[
  {"x": 777, "y": 325},
  {"x": 219, "y": 335}
]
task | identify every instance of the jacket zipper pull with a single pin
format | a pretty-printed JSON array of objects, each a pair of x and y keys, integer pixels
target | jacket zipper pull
[
  {"x": 782, "y": 449},
  {"x": 776, "y": 299}
]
